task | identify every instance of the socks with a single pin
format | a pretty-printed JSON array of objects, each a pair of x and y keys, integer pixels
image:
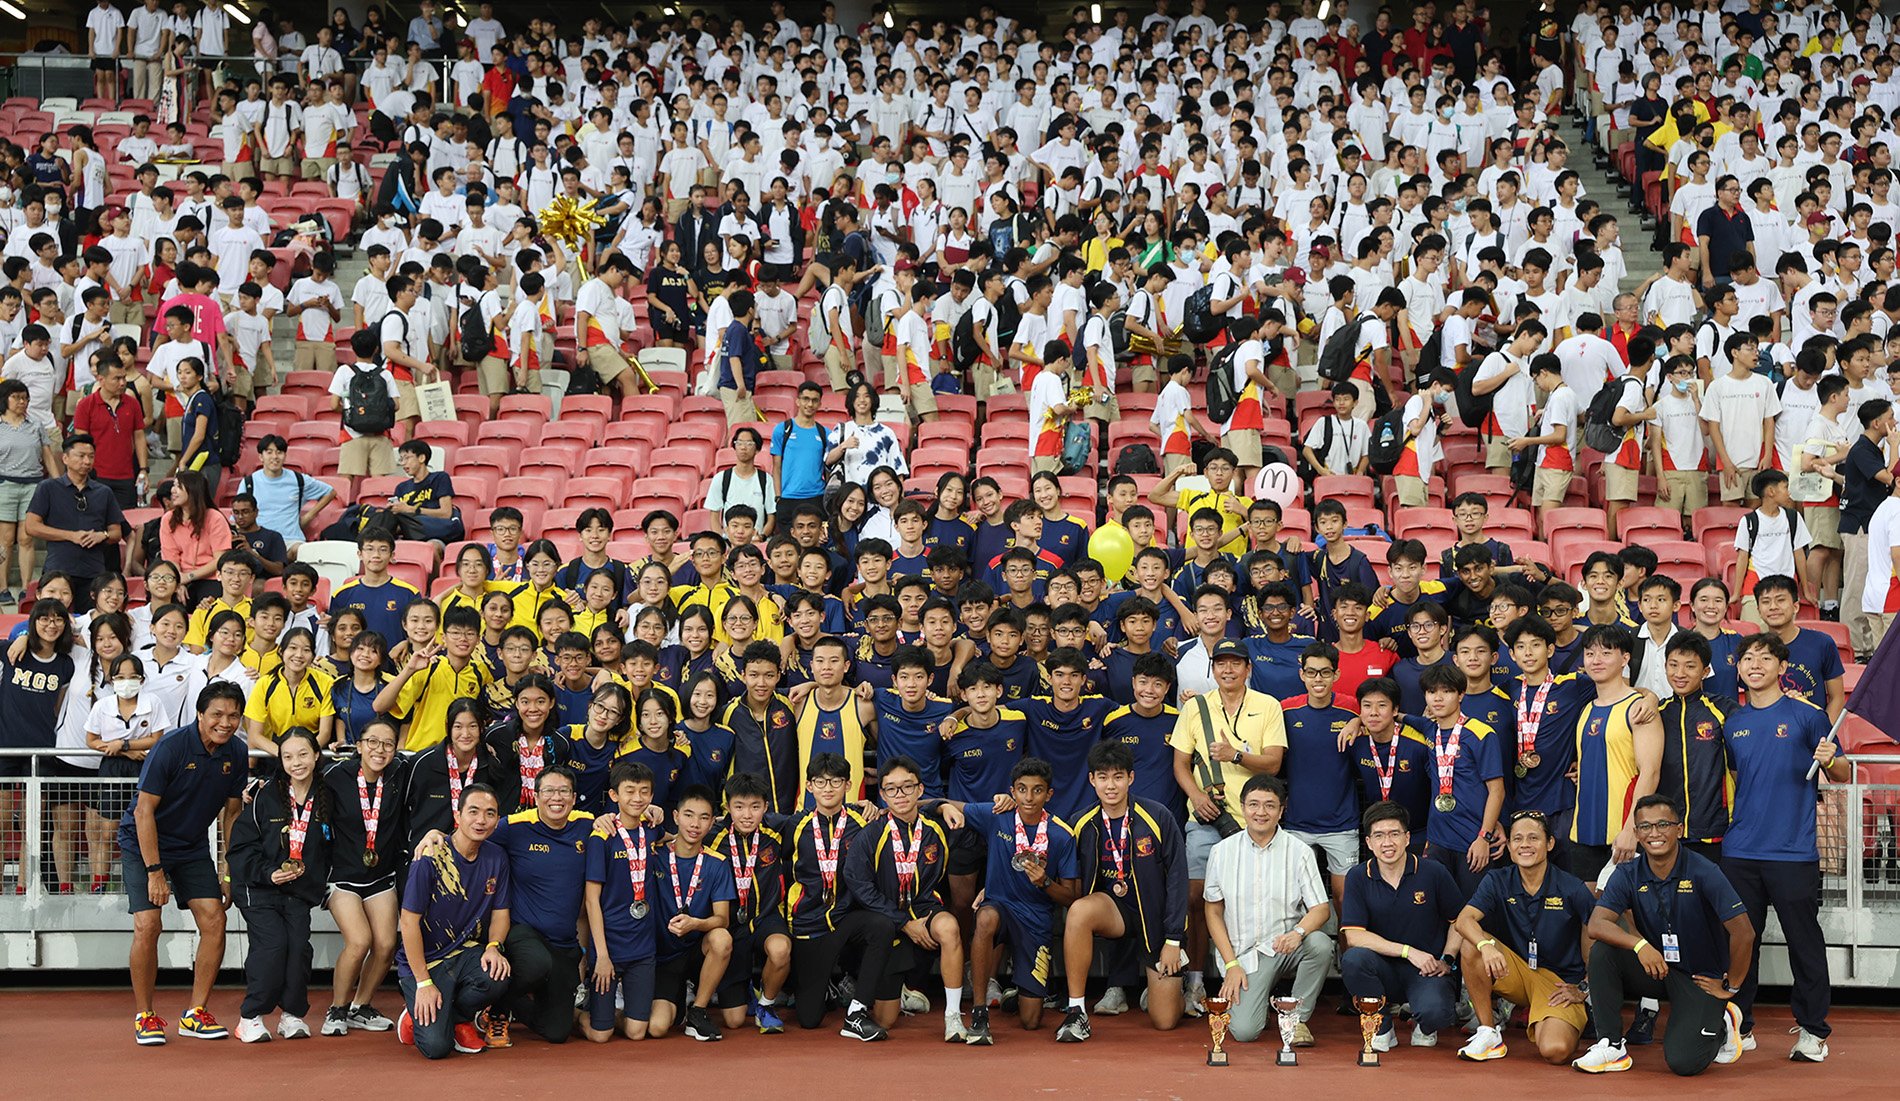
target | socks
[
  {"x": 856, "y": 1007},
  {"x": 1194, "y": 978},
  {"x": 1651, "y": 1004},
  {"x": 1076, "y": 1003},
  {"x": 953, "y": 1001}
]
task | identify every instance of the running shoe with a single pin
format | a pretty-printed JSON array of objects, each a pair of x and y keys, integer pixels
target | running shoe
[
  {"x": 699, "y": 1024},
  {"x": 1485, "y": 1045},
  {"x": 406, "y": 1029},
  {"x": 1808, "y": 1048},
  {"x": 1387, "y": 1037},
  {"x": 979, "y": 1031},
  {"x": 1195, "y": 1000},
  {"x": 368, "y": 1019},
  {"x": 494, "y": 1028},
  {"x": 1607, "y": 1056},
  {"x": 468, "y": 1038},
  {"x": 1422, "y": 1038},
  {"x": 1642, "y": 1030},
  {"x": 252, "y": 1030},
  {"x": 292, "y": 1027},
  {"x": 859, "y": 1026},
  {"x": 1113, "y": 1003},
  {"x": 148, "y": 1029},
  {"x": 1731, "y": 1049},
  {"x": 768, "y": 1020},
  {"x": 911, "y": 1003},
  {"x": 336, "y": 1021},
  {"x": 993, "y": 995},
  {"x": 1075, "y": 1026},
  {"x": 953, "y": 1030},
  {"x": 199, "y": 1024}
]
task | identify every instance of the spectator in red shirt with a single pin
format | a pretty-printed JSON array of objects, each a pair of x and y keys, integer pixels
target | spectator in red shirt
[{"x": 116, "y": 422}]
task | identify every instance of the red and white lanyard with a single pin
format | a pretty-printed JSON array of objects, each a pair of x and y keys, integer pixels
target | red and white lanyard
[
  {"x": 1446, "y": 749},
  {"x": 1532, "y": 720},
  {"x": 1117, "y": 849},
  {"x": 904, "y": 859},
  {"x": 372, "y": 809},
  {"x": 300, "y": 825},
  {"x": 457, "y": 780},
  {"x": 1385, "y": 768},
  {"x": 1040, "y": 846},
  {"x": 744, "y": 862},
  {"x": 531, "y": 765},
  {"x": 636, "y": 860},
  {"x": 680, "y": 905},
  {"x": 828, "y": 857}
]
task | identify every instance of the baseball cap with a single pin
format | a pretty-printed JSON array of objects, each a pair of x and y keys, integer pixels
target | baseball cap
[{"x": 1231, "y": 648}]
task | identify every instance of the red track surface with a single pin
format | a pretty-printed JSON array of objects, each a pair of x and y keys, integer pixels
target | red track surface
[{"x": 78, "y": 1044}]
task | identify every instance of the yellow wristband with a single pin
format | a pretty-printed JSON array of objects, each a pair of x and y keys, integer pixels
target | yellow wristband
[
  {"x": 425, "y": 984},
  {"x": 1231, "y": 964},
  {"x": 1405, "y": 951},
  {"x": 1486, "y": 941},
  {"x": 1640, "y": 945},
  {"x": 494, "y": 944}
]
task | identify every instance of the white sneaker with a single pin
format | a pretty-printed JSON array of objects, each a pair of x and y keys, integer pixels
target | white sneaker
[
  {"x": 1422, "y": 1038},
  {"x": 1748, "y": 1039},
  {"x": 1605, "y": 1057},
  {"x": 1386, "y": 1038},
  {"x": 993, "y": 995},
  {"x": 1195, "y": 1004},
  {"x": 1731, "y": 1049},
  {"x": 1114, "y": 1003},
  {"x": 912, "y": 1003},
  {"x": 292, "y": 1027},
  {"x": 1808, "y": 1048},
  {"x": 252, "y": 1030},
  {"x": 1485, "y": 1044},
  {"x": 953, "y": 1030}
]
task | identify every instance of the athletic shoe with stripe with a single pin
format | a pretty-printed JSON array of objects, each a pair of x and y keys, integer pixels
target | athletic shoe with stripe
[
  {"x": 368, "y": 1019},
  {"x": 768, "y": 1020},
  {"x": 1075, "y": 1026},
  {"x": 859, "y": 1026},
  {"x": 1808, "y": 1048},
  {"x": 199, "y": 1024},
  {"x": 978, "y": 1034},
  {"x": 700, "y": 1026},
  {"x": 468, "y": 1039},
  {"x": 406, "y": 1029},
  {"x": 1485, "y": 1044},
  {"x": 292, "y": 1027},
  {"x": 336, "y": 1021},
  {"x": 953, "y": 1030},
  {"x": 1607, "y": 1056},
  {"x": 148, "y": 1029},
  {"x": 252, "y": 1030},
  {"x": 494, "y": 1028},
  {"x": 1731, "y": 1049}
]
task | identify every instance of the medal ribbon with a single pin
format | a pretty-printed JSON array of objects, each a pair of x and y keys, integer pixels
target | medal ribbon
[
  {"x": 457, "y": 780},
  {"x": 1118, "y": 849},
  {"x": 904, "y": 858},
  {"x": 1386, "y": 768},
  {"x": 300, "y": 825},
  {"x": 673, "y": 865},
  {"x": 828, "y": 857},
  {"x": 636, "y": 861},
  {"x": 531, "y": 765},
  {"x": 372, "y": 809},
  {"x": 744, "y": 863},
  {"x": 1041, "y": 844},
  {"x": 1447, "y": 752},
  {"x": 1532, "y": 720}
]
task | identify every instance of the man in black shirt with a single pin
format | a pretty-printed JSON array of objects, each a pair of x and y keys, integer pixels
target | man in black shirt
[
  {"x": 266, "y": 544},
  {"x": 1869, "y": 481},
  {"x": 79, "y": 521}
]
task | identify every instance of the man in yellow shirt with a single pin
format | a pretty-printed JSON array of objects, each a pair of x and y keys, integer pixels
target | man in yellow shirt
[{"x": 236, "y": 570}]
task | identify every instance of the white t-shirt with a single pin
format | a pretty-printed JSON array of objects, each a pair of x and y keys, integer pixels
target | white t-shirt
[
  {"x": 1510, "y": 403},
  {"x": 1739, "y": 406},
  {"x": 314, "y": 323},
  {"x": 1350, "y": 439},
  {"x": 1883, "y": 532},
  {"x": 1560, "y": 409},
  {"x": 1048, "y": 391},
  {"x": 1772, "y": 552}
]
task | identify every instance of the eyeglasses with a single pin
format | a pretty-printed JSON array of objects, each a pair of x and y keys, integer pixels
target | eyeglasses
[
  {"x": 1426, "y": 626},
  {"x": 1656, "y": 827},
  {"x": 826, "y": 783},
  {"x": 911, "y": 788}
]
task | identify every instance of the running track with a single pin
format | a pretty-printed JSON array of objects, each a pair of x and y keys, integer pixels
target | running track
[{"x": 77, "y": 1044}]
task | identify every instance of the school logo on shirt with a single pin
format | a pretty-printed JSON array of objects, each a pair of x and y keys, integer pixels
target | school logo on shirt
[
  {"x": 780, "y": 720},
  {"x": 1705, "y": 732},
  {"x": 1144, "y": 846},
  {"x": 713, "y": 755},
  {"x": 1009, "y": 744},
  {"x": 1781, "y": 730},
  {"x": 1087, "y": 721},
  {"x": 767, "y": 854},
  {"x": 227, "y": 765},
  {"x": 1595, "y": 730},
  {"x": 930, "y": 854},
  {"x": 489, "y": 888},
  {"x": 580, "y": 846},
  {"x": 1418, "y": 898}
]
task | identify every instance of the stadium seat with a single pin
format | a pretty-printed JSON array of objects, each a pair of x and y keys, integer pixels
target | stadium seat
[
  {"x": 1645, "y": 525},
  {"x": 531, "y": 408},
  {"x": 1577, "y": 519},
  {"x": 1716, "y": 517},
  {"x": 1835, "y": 631},
  {"x": 334, "y": 560},
  {"x": 1682, "y": 560},
  {"x": 1353, "y": 490},
  {"x": 1412, "y": 523},
  {"x": 516, "y": 434},
  {"x": 607, "y": 493}
]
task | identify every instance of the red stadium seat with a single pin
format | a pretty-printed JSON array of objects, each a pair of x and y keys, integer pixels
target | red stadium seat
[
  {"x": 1412, "y": 523},
  {"x": 515, "y": 434},
  {"x": 530, "y": 408},
  {"x": 607, "y": 493},
  {"x": 1682, "y": 560},
  {"x": 1575, "y": 519},
  {"x": 1645, "y": 524}
]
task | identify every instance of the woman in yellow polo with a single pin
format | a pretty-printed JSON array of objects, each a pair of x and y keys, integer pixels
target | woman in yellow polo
[{"x": 293, "y": 695}]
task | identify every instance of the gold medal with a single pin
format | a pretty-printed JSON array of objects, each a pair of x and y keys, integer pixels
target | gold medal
[
  {"x": 1445, "y": 802},
  {"x": 291, "y": 866},
  {"x": 370, "y": 858},
  {"x": 1530, "y": 760}
]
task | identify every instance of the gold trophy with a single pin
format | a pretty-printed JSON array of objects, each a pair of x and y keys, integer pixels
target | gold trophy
[
  {"x": 1287, "y": 1009},
  {"x": 1371, "y": 1016},
  {"x": 1217, "y": 1016}
]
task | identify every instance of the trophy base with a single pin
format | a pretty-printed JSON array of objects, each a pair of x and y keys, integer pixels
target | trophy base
[
  {"x": 1216, "y": 1058},
  {"x": 1368, "y": 1058},
  {"x": 1286, "y": 1059}
]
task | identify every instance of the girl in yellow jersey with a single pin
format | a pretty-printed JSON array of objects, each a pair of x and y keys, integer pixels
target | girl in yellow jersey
[
  {"x": 531, "y": 595},
  {"x": 473, "y": 565},
  {"x": 292, "y": 696}
]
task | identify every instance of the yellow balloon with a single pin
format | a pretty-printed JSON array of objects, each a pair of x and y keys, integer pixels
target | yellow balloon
[{"x": 1114, "y": 549}]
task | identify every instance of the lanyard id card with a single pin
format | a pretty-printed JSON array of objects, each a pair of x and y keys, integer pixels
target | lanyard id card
[
  {"x": 1530, "y": 954},
  {"x": 1671, "y": 948}
]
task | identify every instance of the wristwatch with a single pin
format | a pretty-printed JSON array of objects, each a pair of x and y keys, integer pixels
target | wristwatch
[{"x": 151, "y": 869}]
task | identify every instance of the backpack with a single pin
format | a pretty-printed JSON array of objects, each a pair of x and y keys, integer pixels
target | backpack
[
  {"x": 229, "y": 444},
  {"x": 1429, "y": 355},
  {"x": 1078, "y": 447},
  {"x": 1329, "y": 423},
  {"x": 1753, "y": 523},
  {"x": 1118, "y": 334},
  {"x": 1473, "y": 408},
  {"x": 1222, "y": 393},
  {"x": 818, "y": 333},
  {"x": 725, "y": 486},
  {"x": 1388, "y": 441},
  {"x": 1137, "y": 458},
  {"x": 875, "y": 323},
  {"x": 477, "y": 341},
  {"x": 1198, "y": 322},
  {"x": 1009, "y": 318},
  {"x": 1337, "y": 358},
  {"x": 964, "y": 350},
  {"x": 368, "y": 410},
  {"x": 1600, "y": 432}
]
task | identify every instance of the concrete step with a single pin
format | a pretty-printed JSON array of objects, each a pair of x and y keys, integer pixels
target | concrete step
[{"x": 1639, "y": 257}]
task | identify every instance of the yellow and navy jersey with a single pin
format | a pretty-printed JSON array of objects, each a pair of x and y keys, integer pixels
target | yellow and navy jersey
[
  {"x": 279, "y": 705},
  {"x": 529, "y": 601},
  {"x": 758, "y": 863},
  {"x": 425, "y": 697},
  {"x": 878, "y": 882},
  {"x": 837, "y": 730},
  {"x": 1695, "y": 763},
  {"x": 1606, "y": 770},
  {"x": 767, "y": 747},
  {"x": 198, "y": 627},
  {"x": 1493, "y": 707},
  {"x": 1478, "y": 761},
  {"x": 814, "y": 898},
  {"x": 1153, "y": 863}
]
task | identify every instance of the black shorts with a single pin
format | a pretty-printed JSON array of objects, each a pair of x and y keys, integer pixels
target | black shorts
[
  {"x": 671, "y": 976},
  {"x": 192, "y": 878},
  {"x": 1586, "y": 861},
  {"x": 1030, "y": 951},
  {"x": 748, "y": 946},
  {"x": 116, "y": 787},
  {"x": 105, "y": 64},
  {"x": 666, "y": 330},
  {"x": 969, "y": 851},
  {"x": 634, "y": 981}
]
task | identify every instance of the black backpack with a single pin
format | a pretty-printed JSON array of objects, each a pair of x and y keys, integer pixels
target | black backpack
[
  {"x": 1336, "y": 358},
  {"x": 477, "y": 341},
  {"x": 1118, "y": 334},
  {"x": 368, "y": 410},
  {"x": 1198, "y": 321},
  {"x": 1137, "y": 458},
  {"x": 1600, "y": 432},
  {"x": 1222, "y": 394},
  {"x": 964, "y": 350},
  {"x": 1473, "y": 408},
  {"x": 1429, "y": 356},
  {"x": 230, "y": 438},
  {"x": 1009, "y": 318},
  {"x": 1388, "y": 441}
]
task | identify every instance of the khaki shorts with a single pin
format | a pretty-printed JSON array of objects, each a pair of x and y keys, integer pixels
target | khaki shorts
[
  {"x": 1411, "y": 491},
  {"x": 675, "y": 208},
  {"x": 1144, "y": 375},
  {"x": 1497, "y": 453},
  {"x": 990, "y": 382},
  {"x": 1549, "y": 486},
  {"x": 920, "y": 398},
  {"x": 125, "y": 313},
  {"x": 238, "y": 170},
  {"x": 739, "y": 410},
  {"x": 1824, "y": 526},
  {"x": 315, "y": 168},
  {"x": 781, "y": 361},
  {"x": 316, "y": 355},
  {"x": 406, "y": 407},
  {"x": 495, "y": 377},
  {"x": 1744, "y": 476},
  {"x": 1050, "y": 463},
  {"x": 1171, "y": 463},
  {"x": 242, "y": 383},
  {"x": 1533, "y": 989},
  {"x": 1285, "y": 379},
  {"x": 1688, "y": 491},
  {"x": 276, "y": 166},
  {"x": 1619, "y": 483},
  {"x": 366, "y": 456},
  {"x": 1245, "y": 444},
  {"x": 1106, "y": 410},
  {"x": 837, "y": 365},
  {"x": 607, "y": 362}
]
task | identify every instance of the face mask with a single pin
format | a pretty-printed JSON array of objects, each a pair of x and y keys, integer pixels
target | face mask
[
  {"x": 6, "y": 195},
  {"x": 52, "y": 210},
  {"x": 127, "y": 688},
  {"x": 1444, "y": 399},
  {"x": 1681, "y": 385}
]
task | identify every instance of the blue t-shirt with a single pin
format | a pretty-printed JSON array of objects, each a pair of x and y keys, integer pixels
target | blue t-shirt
[
  {"x": 1770, "y": 750},
  {"x": 1552, "y": 919},
  {"x": 628, "y": 938},
  {"x": 1407, "y": 761},
  {"x": 1319, "y": 778},
  {"x": 801, "y": 459},
  {"x": 913, "y": 734},
  {"x": 1005, "y": 886},
  {"x": 434, "y": 488},
  {"x": 1064, "y": 738},
  {"x": 1147, "y": 738},
  {"x": 678, "y": 894},
  {"x": 980, "y": 760},
  {"x": 710, "y": 758},
  {"x": 203, "y": 407},
  {"x": 455, "y": 897},
  {"x": 1724, "y": 648},
  {"x": 1690, "y": 903},
  {"x": 382, "y": 605},
  {"x": 279, "y": 505},
  {"x": 1276, "y": 665},
  {"x": 193, "y": 784},
  {"x": 667, "y": 766},
  {"x": 29, "y": 697},
  {"x": 1418, "y": 912},
  {"x": 1813, "y": 660},
  {"x": 1066, "y": 538},
  {"x": 1548, "y": 787},
  {"x": 546, "y": 866},
  {"x": 738, "y": 342},
  {"x": 1480, "y": 759}
]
